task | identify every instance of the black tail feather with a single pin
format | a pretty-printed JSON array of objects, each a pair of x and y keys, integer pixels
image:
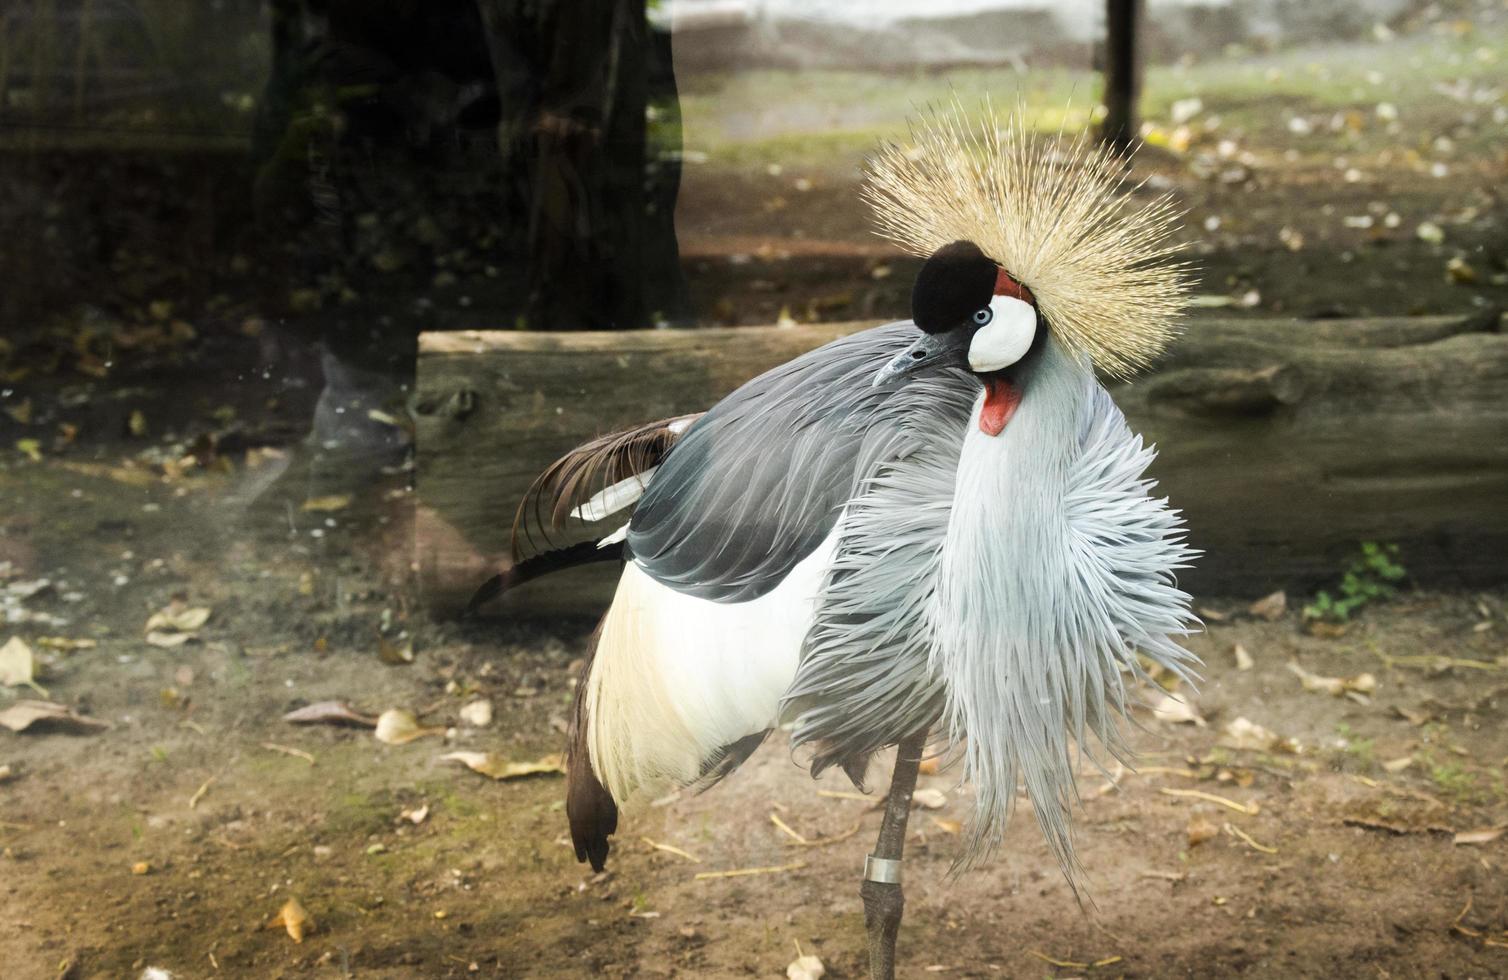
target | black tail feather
[
  {"x": 558, "y": 560},
  {"x": 590, "y": 808}
]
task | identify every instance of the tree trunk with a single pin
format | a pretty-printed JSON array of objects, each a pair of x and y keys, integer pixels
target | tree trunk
[
  {"x": 1284, "y": 443},
  {"x": 573, "y": 82}
]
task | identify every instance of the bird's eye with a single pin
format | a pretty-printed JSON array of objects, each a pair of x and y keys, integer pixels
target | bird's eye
[{"x": 983, "y": 316}]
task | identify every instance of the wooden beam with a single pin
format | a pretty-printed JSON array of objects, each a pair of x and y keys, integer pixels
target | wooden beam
[{"x": 1285, "y": 443}]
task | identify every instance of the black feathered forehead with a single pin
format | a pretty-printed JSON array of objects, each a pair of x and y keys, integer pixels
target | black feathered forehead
[{"x": 956, "y": 280}]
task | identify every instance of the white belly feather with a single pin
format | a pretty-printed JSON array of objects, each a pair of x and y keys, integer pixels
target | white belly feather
[{"x": 676, "y": 677}]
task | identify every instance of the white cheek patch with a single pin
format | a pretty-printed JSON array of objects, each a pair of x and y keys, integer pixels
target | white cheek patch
[{"x": 1006, "y": 338}]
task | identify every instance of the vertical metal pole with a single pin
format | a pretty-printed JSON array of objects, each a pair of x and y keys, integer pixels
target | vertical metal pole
[{"x": 1123, "y": 72}]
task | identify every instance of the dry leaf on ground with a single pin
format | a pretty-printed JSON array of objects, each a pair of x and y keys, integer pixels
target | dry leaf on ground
[
  {"x": 477, "y": 714},
  {"x": 23, "y": 715},
  {"x": 1245, "y": 734},
  {"x": 18, "y": 666},
  {"x": 396, "y": 726},
  {"x": 178, "y": 617},
  {"x": 393, "y": 654},
  {"x": 1334, "y": 686},
  {"x": 295, "y": 919},
  {"x": 168, "y": 641},
  {"x": 1200, "y": 830},
  {"x": 496, "y": 767},
  {"x": 1270, "y": 607},
  {"x": 1243, "y": 659},
  {"x": 930, "y": 799},
  {"x": 329, "y": 713},
  {"x": 1175, "y": 710}
]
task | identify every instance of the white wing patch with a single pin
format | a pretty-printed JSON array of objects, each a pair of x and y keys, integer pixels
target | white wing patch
[
  {"x": 677, "y": 677},
  {"x": 610, "y": 500}
]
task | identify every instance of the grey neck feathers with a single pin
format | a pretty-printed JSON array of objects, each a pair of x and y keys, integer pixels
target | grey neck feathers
[{"x": 1056, "y": 568}]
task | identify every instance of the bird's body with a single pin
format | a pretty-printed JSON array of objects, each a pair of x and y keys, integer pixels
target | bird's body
[{"x": 938, "y": 525}]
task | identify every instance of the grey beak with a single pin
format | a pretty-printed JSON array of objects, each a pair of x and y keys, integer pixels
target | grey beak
[{"x": 928, "y": 350}]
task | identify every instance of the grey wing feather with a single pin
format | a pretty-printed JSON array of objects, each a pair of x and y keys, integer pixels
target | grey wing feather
[
  {"x": 761, "y": 479},
  {"x": 864, "y": 679}
]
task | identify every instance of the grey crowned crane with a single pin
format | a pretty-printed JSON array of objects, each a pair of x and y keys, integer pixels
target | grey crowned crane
[{"x": 935, "y": 529}]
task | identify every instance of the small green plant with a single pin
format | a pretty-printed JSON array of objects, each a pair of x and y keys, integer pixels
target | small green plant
[{"x": 1370, "y": 576}]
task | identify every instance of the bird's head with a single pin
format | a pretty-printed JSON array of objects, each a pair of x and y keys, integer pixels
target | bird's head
[
  {"x": 1032, "y": 244},
  {"x": 973, "y": 313}
]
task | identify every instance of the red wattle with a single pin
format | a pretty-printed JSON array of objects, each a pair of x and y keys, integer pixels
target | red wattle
[{"x": 1001, "y": 399}]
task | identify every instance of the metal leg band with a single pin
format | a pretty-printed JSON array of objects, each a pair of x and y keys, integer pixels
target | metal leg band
[{"x": 883, "y": 870}]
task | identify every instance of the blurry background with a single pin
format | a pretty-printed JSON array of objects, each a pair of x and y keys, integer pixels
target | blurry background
[{"x": 223, "y": 226}]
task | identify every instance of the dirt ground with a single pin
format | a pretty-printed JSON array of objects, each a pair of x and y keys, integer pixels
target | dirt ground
[
  {"x": 143, "y": 464},
  {"x": 1333, "y": 856}
]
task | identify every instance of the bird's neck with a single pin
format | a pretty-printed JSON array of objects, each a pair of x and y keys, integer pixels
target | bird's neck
[
  {"x": 1005, "y": 571},
  {"x": 1031, "y": 454}
]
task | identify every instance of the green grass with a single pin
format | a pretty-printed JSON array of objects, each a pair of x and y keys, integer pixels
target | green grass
[{"x": 830, "y": 119}]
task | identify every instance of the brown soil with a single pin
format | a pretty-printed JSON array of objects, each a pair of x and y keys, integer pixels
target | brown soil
[{"x": 1363, "y": 878}]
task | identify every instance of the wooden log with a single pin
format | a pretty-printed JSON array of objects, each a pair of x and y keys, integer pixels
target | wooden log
[{"x": 1285, "y": 443}]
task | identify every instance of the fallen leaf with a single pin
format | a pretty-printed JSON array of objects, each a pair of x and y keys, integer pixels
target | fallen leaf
[
  {"x": 178, "y": 617},
  {"x": 7, "y": 773},
  {"x": 159, "y": 638},
  {"x": 396, "y": 726},
  {"x": 1200, "y": 830},
  {"x": 18, "y": 665},
  {"x": 141, "y": 868},
  {"x": 930, "y": 799},
  {"x": 329, "y": 713},
  {"x": 416, "y": 816},
  {"x": 393, "y": 654},
  {"x": 1243, "y": 659},
  {"x": 137, "y": 423},
  {"x": 30, "y": 448},
  {"x": 338, "y": 501},
  {"x": 1175, "y": 710},
  {"x": 477, "y": 714},
  {"x": 1486, "y": 835},
  {"x": 1415, "y": 718},
  {"x": 495, "y": 767},
  {"x": 1271, "y": 607},
  {"x": 930, "y": 766},
  {"x": 1326, "y": 631},
  {"x": 24, "y": 714},
  {"x": 1398, "y": 765},
  {"x": 20, "y": 412},
  {"x": 1334, "y": 686},
  {"x": 1245, "y": 734},
  {"x": 294, "y": 918},
  {"x": 806, "y": 967}
]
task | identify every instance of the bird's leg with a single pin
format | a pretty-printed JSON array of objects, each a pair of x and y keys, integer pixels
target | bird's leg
[{"x": 881, "y": 891}]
